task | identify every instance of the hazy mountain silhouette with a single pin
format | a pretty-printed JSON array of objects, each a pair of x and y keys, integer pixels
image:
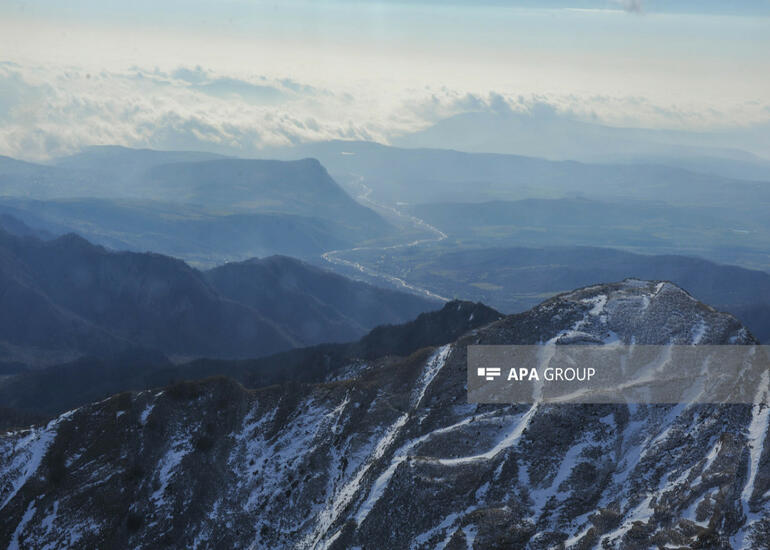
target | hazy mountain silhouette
[
  {"x": 124, "y": 164},
  {"x": 313, "y": 304},
  {"x": 66, "y": 297},
  {"x": 738, "y": 236},
  {"x": 432, "y": 175},
  {"x": 546, "y": 134},
  {"x": 203, "y": 207}
]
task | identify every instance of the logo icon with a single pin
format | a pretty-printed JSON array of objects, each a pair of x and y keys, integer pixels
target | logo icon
[{"x": 489, "y": 373}]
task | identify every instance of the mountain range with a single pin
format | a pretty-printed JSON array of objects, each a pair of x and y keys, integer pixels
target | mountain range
[
  {"x": 30, "y": 395},
  {"x": 667, "y": 209},
  {"x": 650, "y": 227},
  {"x": 393, "y": 442},
  {"x": 546, "y": 134},
  {"x": 431, "y": 175},
  {"x": 513, "y": 279},
  {"x": 221, "y": 400},
  {"x": 67, "y": 297},
  {"x": 201, "y": 207}
]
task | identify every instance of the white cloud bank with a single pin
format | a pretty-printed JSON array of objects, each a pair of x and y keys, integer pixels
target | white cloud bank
[
  {"x": 633, "y": 6},
  {"x": 51, "y": 111},
  {"x": 237, "y": 77}
]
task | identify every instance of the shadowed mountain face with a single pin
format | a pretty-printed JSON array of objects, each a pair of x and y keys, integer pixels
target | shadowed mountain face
[
  {"x": 313, "y": 304},
  {"x": 14, "y": 226},
  {"x": 202, "y": 207},
  {"x": 393, "y": 441},
  {"x": 66, "y": 297},
  {"x": 122, "y": 299},
  {"x": 48, "y": 392}
]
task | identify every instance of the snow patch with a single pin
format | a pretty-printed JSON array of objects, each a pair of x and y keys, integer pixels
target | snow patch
[
  {"x": 508, "y": 441},
  {"x": 699, "y": 332},
  {"x": 25, "y": 519},
  {"x": 179, "y": 447},
  {"x": 146, "y": 413},
  {"x": 22, "y": 458},
  {"x": 598, "y": 302},
  {"x": 329, "y": 515}
]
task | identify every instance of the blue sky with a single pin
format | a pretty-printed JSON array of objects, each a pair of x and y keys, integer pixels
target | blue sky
[{"x": 236, "y": 76}]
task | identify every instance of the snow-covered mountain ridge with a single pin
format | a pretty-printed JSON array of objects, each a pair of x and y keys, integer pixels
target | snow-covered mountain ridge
[{"x": 391, "y": 455}]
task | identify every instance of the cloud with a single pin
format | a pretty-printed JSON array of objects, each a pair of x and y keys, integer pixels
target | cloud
[
  {"x": 261, "y": 92},
  {"x": 52, "y": 111},
  {"x": 631, "y": 6},
  {"x": 183, "y": 109},
  {"x": 193, "y": 76}
]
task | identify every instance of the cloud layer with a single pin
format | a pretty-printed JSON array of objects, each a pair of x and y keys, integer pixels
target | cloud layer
[
  {"x": 633, "y": 6},
  {"x": 53, "y": 111}
]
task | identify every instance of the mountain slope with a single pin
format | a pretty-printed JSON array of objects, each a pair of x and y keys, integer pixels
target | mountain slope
[
  {"x": 206, "y": 208},
  {"x": 297, "y": 187},
  {"x": 315, "y": 305},
  {"x": 144, "y": 299},
  {"x": 193, "y": 233},
  {"x": 67, "y": 297},
  {"x": 392, "y": 456},
  {"x": 433, "y": 175},
  {"x": 51, "y": 391}
]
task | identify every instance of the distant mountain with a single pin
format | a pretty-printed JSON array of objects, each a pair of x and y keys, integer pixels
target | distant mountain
[
  {"x": 442, "y": 175},
  {"x": 125, "y": 164},
  {"x": 392, "y": 442},
  {"x": 27, "y": 179},
  {"x": 106, "y": 172},
  {"x": 514, "y": 279},
  {"x": 67, "y": 297},
  {"x": 195, "y": 234},
  {"x": 547, "y": 134},
  {"x": 751, "y": 169},
  {"x": 202, "y": 207},
  {"x": 300, "y": 187},
  {"x": 314, "y": 305},
  {"x": 739, "y": 236},
  {"x": 14, "y": 226},
  {"x": 91, "y": 300}
]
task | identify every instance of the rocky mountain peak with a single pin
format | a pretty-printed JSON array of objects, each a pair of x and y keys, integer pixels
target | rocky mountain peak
[
  {"x": 650, "y": 312},
  {"x": 630, "y": 311},
  {"x": 338, "y": 464}
]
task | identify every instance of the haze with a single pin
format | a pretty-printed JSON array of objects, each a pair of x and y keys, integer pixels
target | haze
[{"x": 237, "y": 77}]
